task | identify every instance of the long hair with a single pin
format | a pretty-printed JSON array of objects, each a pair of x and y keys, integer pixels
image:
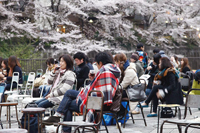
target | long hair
[
  {"x": 165, "y": 63},
  {"x": 122, "y": 59},
  {"x": 185, "y": 64},
  {"x": 12, "y": 62}
]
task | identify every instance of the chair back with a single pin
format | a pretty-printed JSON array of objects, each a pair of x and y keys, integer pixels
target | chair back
[
  {"x": 87, "y": 82},
  {"x": 95, "y": 103},
  {"x": 44, "y": 83},
  {"x": 15, "y": 78},
  {"x": 39, "y": 72},
  {"x": 2, "y": 90},
  {"x": 185, "y": 83},
  {"x": 75, "y": 85},
  {"x": 30, "y": 82},
  {"x": 192, "y": 100}
]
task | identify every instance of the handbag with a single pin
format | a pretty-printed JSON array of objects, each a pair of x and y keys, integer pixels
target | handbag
[
  {"x": 115, "y": 107},
  {"x": 136, "y": 92},
  {"x": 38, "y": 81},
  {"x": 166, "y": 112}
]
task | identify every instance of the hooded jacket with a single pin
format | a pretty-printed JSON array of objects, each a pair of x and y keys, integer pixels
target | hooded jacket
[
  {"x": 106, "y": 81},
  {"x": 130, "y": 76}
]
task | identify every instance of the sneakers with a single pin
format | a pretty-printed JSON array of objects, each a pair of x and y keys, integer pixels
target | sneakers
[
  {"x": 134, "y": 112},
  {"x": 51, "y": 120}
]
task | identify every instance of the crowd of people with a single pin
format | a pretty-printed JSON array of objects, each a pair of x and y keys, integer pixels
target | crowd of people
[{"x": 111, "y": 73}]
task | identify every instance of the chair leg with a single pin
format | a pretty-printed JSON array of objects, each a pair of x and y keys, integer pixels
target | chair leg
[
  {"x": 57, "y": 129},
  {"x": 105, "y": 125},
  {"x": 117, "y": 123},
  {"x": 132, "y": 118},
  {"x": 179, "y": 128},
  {"x": 190, "y": 111},
  {"x": 161, "y": 127},
  {"x": 185, "y": 113},
  {"x": 142, "y": 113},
  {"x": 125, "y": 113}
]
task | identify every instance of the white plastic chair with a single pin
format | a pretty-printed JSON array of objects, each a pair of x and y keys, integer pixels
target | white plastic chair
[
  {"x": 30, "y": 83},
  {"x": 32, "y": 99},
  {"x": 15, "y": 78}
]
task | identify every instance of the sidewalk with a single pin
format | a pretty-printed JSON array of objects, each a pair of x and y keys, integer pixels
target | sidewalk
[{"x": 138, "y": 127}]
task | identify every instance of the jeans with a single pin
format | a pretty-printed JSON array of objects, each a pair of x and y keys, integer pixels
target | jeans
[
  {"x": 46, "y": 89},
  {"x": 9, "y": 85},
  {"x": 68, "y": 106},
  {"x": 148, "y": 91},
  {"x": 152, "y": 96},
  {"x": 44, "y": 103}
]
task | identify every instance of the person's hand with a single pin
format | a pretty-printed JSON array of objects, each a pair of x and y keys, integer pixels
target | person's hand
[
  {"x": 1, "y": 76},
  {"x": 4, "y": 79},
  {"x": 48, "y": 96},
  {"x": 43, "y": 77},
  {"x": 149, "y": 67},
  {"x": 158, "y": 95},
  {"x": 91, "y": 76}
]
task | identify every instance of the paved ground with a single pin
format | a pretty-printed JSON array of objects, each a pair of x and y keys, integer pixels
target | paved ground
[{"x": 138, "y": 127}]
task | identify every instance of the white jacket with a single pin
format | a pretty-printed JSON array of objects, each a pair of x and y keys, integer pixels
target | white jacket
[{"x": 130, "y": 76}]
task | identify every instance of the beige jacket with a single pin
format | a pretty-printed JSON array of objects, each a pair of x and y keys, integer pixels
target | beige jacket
[{"x": 130, "y": 76}]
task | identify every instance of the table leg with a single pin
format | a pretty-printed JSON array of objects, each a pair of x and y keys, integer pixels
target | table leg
[
  {"x": 9, "y": 117},
  {"x": 25, "y": 121},
  {"x": 19, "y": 124},
  {"x": 38, "y": 115},
  {"x": 158, "y": 119},
  {"x": 29, "y": 123}
]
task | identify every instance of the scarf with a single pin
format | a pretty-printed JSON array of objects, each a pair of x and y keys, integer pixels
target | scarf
[
  {"x": 58, "y": 78},
  {"x": 126, "y": 64},
  {"x": 164, "y": 72}
]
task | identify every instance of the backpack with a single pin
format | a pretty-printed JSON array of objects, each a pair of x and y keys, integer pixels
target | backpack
[
  {"x": 33, "y": 119},
  {"x": 143, "y": 58},
  {"x": 166, "y": 112}
]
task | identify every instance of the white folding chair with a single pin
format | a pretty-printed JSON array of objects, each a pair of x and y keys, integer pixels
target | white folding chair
[
  {"x": 32, "y": 99},
  {"x": 15, "y": 78},
  {"x": 29, "y": 84}
]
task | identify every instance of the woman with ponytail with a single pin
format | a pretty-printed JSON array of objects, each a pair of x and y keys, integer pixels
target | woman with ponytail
[
  {"x": 128, "y": 72},
  {"x": 14, "y": 66}
]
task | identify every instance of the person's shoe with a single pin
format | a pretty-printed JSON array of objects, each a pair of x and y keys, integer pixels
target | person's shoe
[
  {"x": 152, "y": 115},
  {"x": 51, "y": 120},
  {"x": 134, "y": 112},
  {"x": 144, "y": 106}
]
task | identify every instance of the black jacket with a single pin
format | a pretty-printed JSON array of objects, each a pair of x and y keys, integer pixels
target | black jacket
[
  {"x": 82, "y": 72},
  {"x": 152, "y": 74},
  {"x": 16, "y": 69},
  {"x": 171, "y": 83}
]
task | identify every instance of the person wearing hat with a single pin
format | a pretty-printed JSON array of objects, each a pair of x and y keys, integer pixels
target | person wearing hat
[{"x": 139, "y": 65}]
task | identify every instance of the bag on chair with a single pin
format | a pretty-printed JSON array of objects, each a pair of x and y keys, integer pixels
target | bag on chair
[
  {"x": 38, "y": 81},
  {"x": 166, "y": 112},
  {"x": 136, "y": 92}
]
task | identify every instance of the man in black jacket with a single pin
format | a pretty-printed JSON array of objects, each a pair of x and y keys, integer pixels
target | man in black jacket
[{"x": 82, "y": 70}]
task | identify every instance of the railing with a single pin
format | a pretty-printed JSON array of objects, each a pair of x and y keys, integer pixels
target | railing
[{"x": 31, "y": 65}]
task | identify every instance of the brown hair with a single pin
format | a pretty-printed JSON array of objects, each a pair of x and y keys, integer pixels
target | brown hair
[
  {"x": 12, "y": 62},
  {"x": 165, "y": 63},
  {"x": 68, "y": 60},
  {"x": 122, "y": 59},
  {"x": 185, "y": 63}
]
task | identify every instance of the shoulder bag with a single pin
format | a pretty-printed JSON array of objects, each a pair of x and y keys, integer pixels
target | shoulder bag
[{"x": 136, "y": 92}]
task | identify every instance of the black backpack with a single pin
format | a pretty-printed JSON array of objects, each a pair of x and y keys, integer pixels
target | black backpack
[
  {"x": 33, "y": 119},
  {"x": 166, "y": 112}
]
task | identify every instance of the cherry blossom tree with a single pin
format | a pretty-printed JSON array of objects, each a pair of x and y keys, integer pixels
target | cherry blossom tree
[{"x": 99, "y": 25}]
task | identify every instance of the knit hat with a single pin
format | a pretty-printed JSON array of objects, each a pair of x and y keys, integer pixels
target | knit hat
[{"x": 135, "y": 57}]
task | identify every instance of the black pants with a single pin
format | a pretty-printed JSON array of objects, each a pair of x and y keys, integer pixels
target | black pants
[{"x": 152, "y": 96}]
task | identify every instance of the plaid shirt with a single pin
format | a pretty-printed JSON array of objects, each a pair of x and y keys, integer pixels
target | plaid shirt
[{"x": 105, "y": 81}]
